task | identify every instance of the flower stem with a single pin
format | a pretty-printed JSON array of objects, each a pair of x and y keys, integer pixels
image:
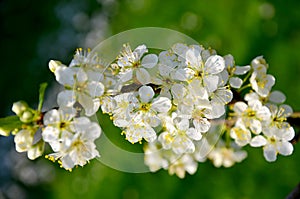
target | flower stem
[{"x": 42, "y": 90}]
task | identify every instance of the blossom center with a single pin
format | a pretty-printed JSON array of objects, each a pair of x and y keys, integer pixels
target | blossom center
[
  {"x": 145, "y": 107},
  {"x": 250, "y": 113}
]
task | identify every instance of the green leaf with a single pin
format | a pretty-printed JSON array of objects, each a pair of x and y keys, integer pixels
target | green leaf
[
  {"x": 8, "y": 124},
  {"x": 43, "y": 87}
]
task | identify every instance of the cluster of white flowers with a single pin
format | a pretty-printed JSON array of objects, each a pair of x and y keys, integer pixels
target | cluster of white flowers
[{"x": 177, "y": 101}]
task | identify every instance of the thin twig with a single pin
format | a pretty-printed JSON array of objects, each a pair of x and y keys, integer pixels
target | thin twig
[{"x": 295, "y": 194}]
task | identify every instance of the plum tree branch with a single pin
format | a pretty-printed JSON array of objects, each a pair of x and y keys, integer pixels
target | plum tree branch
[{"x": 295, "y": 193}]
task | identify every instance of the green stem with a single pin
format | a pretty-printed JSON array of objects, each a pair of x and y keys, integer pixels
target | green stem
[
  {"x": 242, "y": 88},
  {"x": 42, "y": 90}
]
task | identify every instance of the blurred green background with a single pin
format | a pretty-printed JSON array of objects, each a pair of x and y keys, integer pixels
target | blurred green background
[{"x": 33, "y": 32}]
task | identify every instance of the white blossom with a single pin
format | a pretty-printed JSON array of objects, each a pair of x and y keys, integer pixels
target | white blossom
[
  {"x": 183, "y": 164},
  {"x": 24, "y": 140},
  {"x": 83, "y": 90},
  {"x": 252, "y": 115},
  {"x": 179, "y": 135},
  {"x": 226, "y": 156},
  {"x": 275, "y": 141},
  {"x": 233, "y": 71},
  {"x": 76, "y": 146},
  {"x": 262, "y": 82},
  {"x": 139, "y": 112},
  {"x": 134, "y": 66},
  {"x": 154, "y": 157}
]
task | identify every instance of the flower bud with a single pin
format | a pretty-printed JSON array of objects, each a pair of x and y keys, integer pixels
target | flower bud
[
  {"x": 53, "y": 65},
  {"x": 26, "y": 117},
  {"x": 19, "y": 107}
]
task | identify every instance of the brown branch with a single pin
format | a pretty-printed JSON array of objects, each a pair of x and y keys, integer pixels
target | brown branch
[
  {"x": 295, "y": 194},
  {"x": 294, "y": 121}
]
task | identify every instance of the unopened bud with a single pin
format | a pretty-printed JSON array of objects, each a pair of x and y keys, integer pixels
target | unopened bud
[
  {"x": 19, "y": 107},
  {"x": 26, "y": 117},
  {"x": 53, "y": 65}
]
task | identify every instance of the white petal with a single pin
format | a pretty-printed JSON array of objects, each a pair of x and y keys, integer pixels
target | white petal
[
  {"x": 241, "y": 70},
  {"x": 197, "y": 90},
  {"x": 193, "y": 58},
  {"x": 81, "y": 76},
  {"x": 164, "y": 69},
  {"x": 126, "y": 76},
  {"x": 182, "y": 124},
  {"x": 154, "y": 121},
  {"x": 120, "y": 122},
  {"x": 194, "y": 134},
  {"x": 51, "y": 117},
  {"x": 255, "y": 126},
  {"x": 235, "y": 82},
  {"x": 35, "y": 151},
  {"x": 150, "y": 134},
  {"x": 284, "y": 111},
  {"x": 229, "y": 61},
  {"x": 67, "y": 162},
  {"x": 141, "y": 50},
  {"x": 146, "y": 93},
  {"x": 211, "y": 82},
  {"x": 180, "y": 49},
  {"x": 149, "y": 61},
  {"x": 90, "y": 105},
  {"x": 277, "y": 97},
  {"x": 95, "y": 89},
  {"x": 270, "y": 131},
  {"x": 223, "y": 78},
  {"x": 50, "y": 134},
  {"x": 67, "y": 113},
  {"x": 80, "y": 124},
  {"x": 92, "y": 132},
  {"x": 183, "y": 145},
  {"x": 252, "y": 96},
  {"x": 270, "y": 153},
  {"x": 214, "y": 64},
  {"x": 143, "y": 76},
  {"x": 66, "y": 98},
  {"x": 285, "y": 148},
  {"x": 65, "y": 75},
  {"x": 202, "y": 125},
  {"x": 222, "y": 96},
  {"x": 161, "y": 104},
  {"x": 23, "y": 140},
  {"x": 270, "y": 81},
  {"x": 258, "y": 141},
  {"x": 240, "y": 107},
  {"x": 216, "y": 111},
  {"x": 178, "y": 91},
  {"x": 286, "y": 134},
  {"x": 183, "y": 74},
  {"x": 255, "y": 104},
  {"x": 264, "y": 113},
  {"x": 94, "y": 76}
]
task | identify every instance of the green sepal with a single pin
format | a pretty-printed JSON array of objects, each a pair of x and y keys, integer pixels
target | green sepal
[{"x": 8, "y": 124}]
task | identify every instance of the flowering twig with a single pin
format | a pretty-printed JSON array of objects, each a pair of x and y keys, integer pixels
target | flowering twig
[{"x": 173, "y": 101}]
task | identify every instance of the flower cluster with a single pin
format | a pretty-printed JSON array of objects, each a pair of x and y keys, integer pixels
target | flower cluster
[{"x": 186, "y": 104}]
